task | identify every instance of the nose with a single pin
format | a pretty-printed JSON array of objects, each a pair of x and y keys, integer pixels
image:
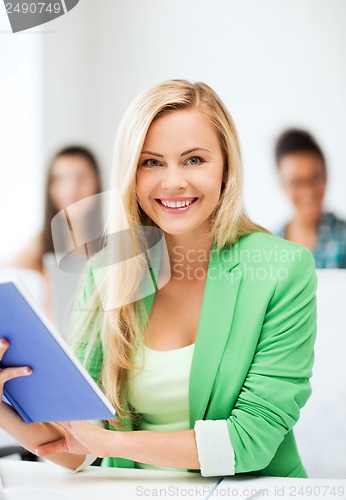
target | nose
[
  {"x": 71, "y": 192},
  {"x": 174, "y": 178}
]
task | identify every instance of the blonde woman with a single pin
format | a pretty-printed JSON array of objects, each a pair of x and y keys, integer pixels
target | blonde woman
[{"x": 208, "y": 373}]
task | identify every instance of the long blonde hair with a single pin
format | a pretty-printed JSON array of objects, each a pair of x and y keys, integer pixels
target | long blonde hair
[{"x": 118, "y": 330}]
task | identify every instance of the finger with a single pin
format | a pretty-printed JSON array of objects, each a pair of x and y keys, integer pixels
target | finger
[
  {"x": 50, "y": 448},
  {"x": 65, "y": 425},
  {"x": 14, "y": 372},
  {"x": 4, "y": 345}
]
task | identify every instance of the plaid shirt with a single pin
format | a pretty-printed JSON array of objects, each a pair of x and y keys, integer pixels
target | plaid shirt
[{"x": 330, "y": 250}]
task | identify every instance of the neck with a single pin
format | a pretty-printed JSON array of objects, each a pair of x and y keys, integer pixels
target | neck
[
  {"x": 188, "y": 255},
  {"x": 305, "y": 224}
]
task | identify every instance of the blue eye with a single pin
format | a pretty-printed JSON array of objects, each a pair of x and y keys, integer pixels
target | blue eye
[{"x": 195, "y": 160}]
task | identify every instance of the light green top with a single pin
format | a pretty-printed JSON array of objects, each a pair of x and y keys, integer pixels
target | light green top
[{"x": 160, "y": 391}]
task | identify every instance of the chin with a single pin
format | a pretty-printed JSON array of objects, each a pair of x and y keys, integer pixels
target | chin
[
  {"x": 312, "y": 216},
  {"x": 176, "y": 232}
]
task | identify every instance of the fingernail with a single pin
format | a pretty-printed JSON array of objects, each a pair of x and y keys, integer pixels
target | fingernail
[
  {"x": 3, "y": 342},
  {"x": 27, "y": 370}
]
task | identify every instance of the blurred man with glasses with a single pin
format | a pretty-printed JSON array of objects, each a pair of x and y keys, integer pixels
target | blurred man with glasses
[{"x": 303, "y": 174}]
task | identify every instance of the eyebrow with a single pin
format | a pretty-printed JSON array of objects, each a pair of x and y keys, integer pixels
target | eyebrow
[{"x": 182, "y": 154}]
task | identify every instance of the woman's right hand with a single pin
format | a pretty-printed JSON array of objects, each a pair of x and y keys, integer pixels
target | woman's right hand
[
  {"x": 38, "y": 433},
  {"x": 11, "y": 372}
]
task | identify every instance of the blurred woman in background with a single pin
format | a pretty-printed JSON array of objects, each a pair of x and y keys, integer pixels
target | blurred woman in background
[{"x": 73, "y": 175}]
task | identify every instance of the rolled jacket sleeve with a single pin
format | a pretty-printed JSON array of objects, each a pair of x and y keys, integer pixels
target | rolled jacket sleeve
[{"x": 214, "y": 448}]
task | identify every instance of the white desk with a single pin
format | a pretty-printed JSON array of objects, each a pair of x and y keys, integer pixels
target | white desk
[{"x": 96, "y": 483}]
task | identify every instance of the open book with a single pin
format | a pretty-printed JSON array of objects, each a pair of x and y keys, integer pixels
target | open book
[{"x": 59, "y": 388}]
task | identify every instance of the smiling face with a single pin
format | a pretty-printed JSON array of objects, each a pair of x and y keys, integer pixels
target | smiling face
[
  {"x": 303, "y": 178},
  {"x": 180, "y": 172}
]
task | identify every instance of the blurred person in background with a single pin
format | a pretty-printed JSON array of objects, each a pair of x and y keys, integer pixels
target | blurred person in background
[
  {"x": 73, "y": 175},
  {"x": 303, "y": 174}
]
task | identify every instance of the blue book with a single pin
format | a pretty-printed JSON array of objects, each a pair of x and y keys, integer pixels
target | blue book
[{"x": 59, "y": 388}]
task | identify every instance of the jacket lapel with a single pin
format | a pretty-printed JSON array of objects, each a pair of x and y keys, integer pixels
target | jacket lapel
[{"x": 218, "y": 305}]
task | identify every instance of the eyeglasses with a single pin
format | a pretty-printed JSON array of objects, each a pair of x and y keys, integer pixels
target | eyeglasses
[{"x": 315, "y": 181}]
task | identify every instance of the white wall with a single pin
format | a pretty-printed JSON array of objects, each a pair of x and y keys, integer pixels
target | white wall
[
  {"x": 21, "y": 168},
  {"x": 276, "y": 63},
  {"x": 320, "y": 432}
]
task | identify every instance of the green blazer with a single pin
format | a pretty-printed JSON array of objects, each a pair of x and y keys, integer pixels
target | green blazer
[{"x": 253, "y": 355}]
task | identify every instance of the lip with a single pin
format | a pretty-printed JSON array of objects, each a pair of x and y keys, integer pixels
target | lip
[{"x": 176, "y": 211}]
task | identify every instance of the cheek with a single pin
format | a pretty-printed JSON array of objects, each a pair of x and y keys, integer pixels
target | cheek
[
  {"x": 321, "y": 192},
  {"x": 293, "y": 196},
  {"x": 211, "y": 188},
  {"x": 143, "y": 187},
  {"x": 55, "y": 194},
  {"x": 142, "y": 200},
  {"x": 89, "y": 188},
  {"x": 297, "y": 199},
  {"x": 287, "y": 190}
]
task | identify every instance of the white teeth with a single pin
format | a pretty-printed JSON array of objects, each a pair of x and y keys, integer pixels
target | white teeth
[{"x": 178, "y": 204}]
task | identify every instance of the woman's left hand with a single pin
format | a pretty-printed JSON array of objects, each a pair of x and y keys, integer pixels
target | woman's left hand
[{"x": 81, "y": 438}]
